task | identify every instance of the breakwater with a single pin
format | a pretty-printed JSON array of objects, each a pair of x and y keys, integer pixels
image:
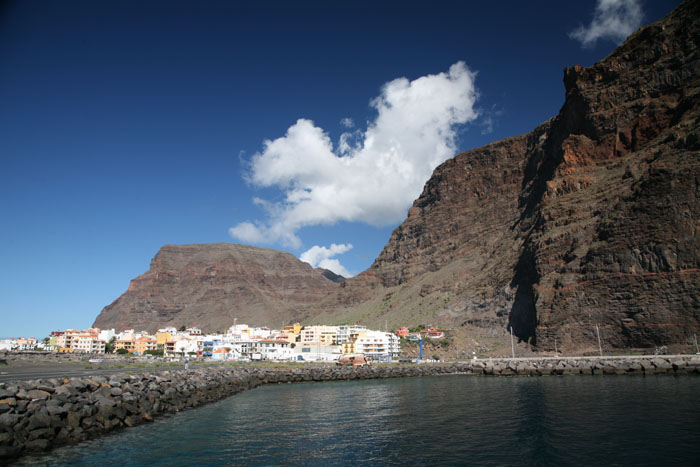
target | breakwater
[{"x": 39, "y": 414}]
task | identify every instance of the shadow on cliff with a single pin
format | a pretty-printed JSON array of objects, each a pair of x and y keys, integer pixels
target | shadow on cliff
[
  {"x": 546, "y": 153},
  {"x": 522, "y": 318}
]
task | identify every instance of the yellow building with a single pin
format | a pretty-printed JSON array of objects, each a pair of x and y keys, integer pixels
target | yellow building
[
  {"x": 169, "y": 348},
  {"x": 324, "y": 334},
  {"x": 293, "y": 329},
  {"x": 348, "y": 347},
  {"x": 126, "y": 344},
  {"x": 162, "y": 338}
]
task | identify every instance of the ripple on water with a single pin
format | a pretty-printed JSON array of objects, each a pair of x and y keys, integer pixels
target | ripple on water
[{"x": 453, "y": 420}]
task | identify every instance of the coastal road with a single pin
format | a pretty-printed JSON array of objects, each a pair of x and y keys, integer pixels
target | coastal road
[{"x": 26, "y": 372}]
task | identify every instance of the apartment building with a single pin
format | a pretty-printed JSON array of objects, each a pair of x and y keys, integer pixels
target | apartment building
[
  {"x": 144, "y": 343},
  {"x": 323, "y": 334},
  {"x": 273, "y": 349},
  {"x": 81, "y": 341},
  {"x": 88, "y": 344},
  {"x": 126, "y": 343},
  {"x": 377, "y": 345},
  {"x": 347, "y": 333}
]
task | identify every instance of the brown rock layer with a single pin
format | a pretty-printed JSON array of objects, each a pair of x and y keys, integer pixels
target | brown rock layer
[
  {"x": 593, "y": 218},
  {"x": 210, "y": 285}
]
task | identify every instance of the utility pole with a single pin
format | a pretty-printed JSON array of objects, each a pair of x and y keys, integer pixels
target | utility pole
[
  {"x": 597, "y": 330},
  {"x": 512, "y": 345},
  {"x": 697, "y": 350}
]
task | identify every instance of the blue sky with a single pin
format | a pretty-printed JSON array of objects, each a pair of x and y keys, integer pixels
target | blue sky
[{"x": 128, "y": 125}]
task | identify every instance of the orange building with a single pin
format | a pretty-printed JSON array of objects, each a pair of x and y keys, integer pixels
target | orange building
[{"x": 144, "y": 343}]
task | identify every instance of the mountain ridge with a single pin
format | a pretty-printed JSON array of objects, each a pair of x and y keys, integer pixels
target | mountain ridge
[
  {"x": 210, "y": 285},
  {"x": 590, "y": 221}
]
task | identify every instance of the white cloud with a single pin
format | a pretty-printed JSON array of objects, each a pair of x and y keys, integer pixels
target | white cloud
[
  {"x": 372, "y": 176},
  {"x": 489, "y": 119},
  {"x": 347, "y": 122},
  {"x": 613, "y": 20},
  {"x": 322, "y": 257}
]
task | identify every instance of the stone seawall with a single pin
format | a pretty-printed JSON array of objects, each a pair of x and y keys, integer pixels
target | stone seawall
[{"x": 40, "y": 414}]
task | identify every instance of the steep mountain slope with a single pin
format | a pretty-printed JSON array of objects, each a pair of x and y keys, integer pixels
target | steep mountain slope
[
  {"x": 211, "y": 285},
  {"x": 591, "y": 219}
]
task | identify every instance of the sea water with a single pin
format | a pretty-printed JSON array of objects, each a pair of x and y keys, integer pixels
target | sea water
[{"x": 447, "y": 420}]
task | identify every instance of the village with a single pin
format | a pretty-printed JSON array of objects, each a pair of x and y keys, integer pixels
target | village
[{"x": 240, "y": 342}]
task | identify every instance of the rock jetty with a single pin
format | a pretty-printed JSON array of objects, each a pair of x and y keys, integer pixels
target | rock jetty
[{"x": 37, "y": 415}]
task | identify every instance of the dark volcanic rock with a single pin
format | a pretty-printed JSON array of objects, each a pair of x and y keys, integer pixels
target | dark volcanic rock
[
  {"x": 592, "y": 218},
  {"x": 210, "y": 285}
]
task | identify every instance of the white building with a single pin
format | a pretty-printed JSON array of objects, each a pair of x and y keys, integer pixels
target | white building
[
  {"x": 316, "y": 352},
  {"x": 8, "y": 344},
  {"x": 185, "y": 346},
  {"x": 87, "y": 344},
  {"x": 238, "y": 329},
  {"x": 348, "y": 332},
  {"x": 235, "y": 337},
  {"x": 106, "y": 335},
  {"x": 274, "y": 349},
  {"x": 259, "y": 333},
  {"x": 378, "y": 345},
  {"x": 127, "y": 334},
  {"x": 239, "y": 349}
]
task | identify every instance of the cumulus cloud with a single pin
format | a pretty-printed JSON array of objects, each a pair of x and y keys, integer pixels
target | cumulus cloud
[
  {"x": 322, "y": 257},
  {"x": 613, "y": 20},
  {"x": 370, "y": 176}
]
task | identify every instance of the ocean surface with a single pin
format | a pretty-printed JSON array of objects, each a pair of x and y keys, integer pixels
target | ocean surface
[{"x": 448, "y": 420}]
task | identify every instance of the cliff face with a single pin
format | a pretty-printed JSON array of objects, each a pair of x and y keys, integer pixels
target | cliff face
[
  {"x": 614, "y": 235},
  {"x": 210, "y": 285},
  {"x": 592, "y": 218}
]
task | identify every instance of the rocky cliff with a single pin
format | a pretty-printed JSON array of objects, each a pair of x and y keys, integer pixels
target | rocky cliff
[
  {"x": 210, "y": 285},
  {"x": 591, "y": 219}
]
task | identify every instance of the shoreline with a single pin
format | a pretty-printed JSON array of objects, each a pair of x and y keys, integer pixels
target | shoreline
[{"x": 37, "y": 415}]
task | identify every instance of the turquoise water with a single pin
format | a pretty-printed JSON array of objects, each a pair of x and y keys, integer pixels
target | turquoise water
[{"x": 449, "y": 420}]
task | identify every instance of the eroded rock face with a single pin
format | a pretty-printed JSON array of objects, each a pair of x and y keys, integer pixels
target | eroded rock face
[
  {"x": 614, "y": 230},
  {"x": 210, "y": 285},
  {"x": 593, "y": 218}
]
